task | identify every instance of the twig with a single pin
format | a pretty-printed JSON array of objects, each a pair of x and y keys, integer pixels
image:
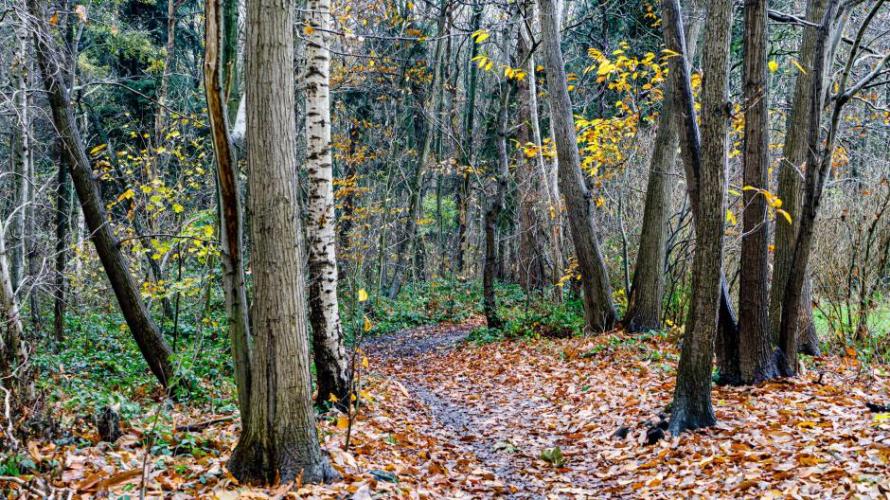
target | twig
[{"x": 203, "y": 425}]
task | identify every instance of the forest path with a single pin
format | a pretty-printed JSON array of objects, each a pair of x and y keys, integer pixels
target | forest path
[
  {"x": 491, "y": 410},
  {"x": 495, "y": 432}
]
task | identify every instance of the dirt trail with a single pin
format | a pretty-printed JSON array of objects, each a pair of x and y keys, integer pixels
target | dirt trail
[{"x": 407, "y": 355}]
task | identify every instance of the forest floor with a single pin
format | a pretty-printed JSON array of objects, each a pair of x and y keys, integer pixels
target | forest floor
[{"x": 442, "y": 417}]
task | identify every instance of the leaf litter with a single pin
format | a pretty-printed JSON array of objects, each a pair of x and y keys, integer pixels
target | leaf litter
[{"x": 446, "y": 418}]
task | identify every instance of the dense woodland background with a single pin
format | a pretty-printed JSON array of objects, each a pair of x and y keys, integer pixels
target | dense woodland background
[{"x": 285, "y": 224}]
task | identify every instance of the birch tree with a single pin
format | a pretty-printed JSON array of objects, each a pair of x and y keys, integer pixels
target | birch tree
[{"x": 331, "y": 363}]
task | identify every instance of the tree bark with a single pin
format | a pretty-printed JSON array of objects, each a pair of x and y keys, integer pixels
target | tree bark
[
  {"x": 535, "y": 266},
  {"x": 463, "y": 190},
  {"x": 755, "y": 352},
  {"x": 164, "y": 89},
  {"x": 794, "y": 155},
  {"x": 489, "y": 269},
  {"x": 21, "y": 157},
  {"x": 554, "y": 204},
  {"x": 818, "y": 169},
  {"x": 146, "y": 333},
  {"x": 279, "y": 442},
  {"x": 598, "y": 309},
  {"x": 706, "y": 156},
  {"x": 647, "y": 290},
  {"x": 406, "y": 249},
  {"x": 11, "y": 329},
  {"x": 63, "y": 191},
  {"x": 231, "y": 223},
  {"x": 331, "y": 363}
]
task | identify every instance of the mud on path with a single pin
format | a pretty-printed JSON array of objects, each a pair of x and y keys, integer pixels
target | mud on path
[
  {"x": 493, "y": 409},
  {"x": 489, "y": 433}
]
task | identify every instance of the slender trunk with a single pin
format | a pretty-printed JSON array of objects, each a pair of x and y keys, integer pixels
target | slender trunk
[
  {"x": 489, "y": 269},
  {"x": 279, "y": 442},
  {"x": 147, "y": 335},
  {"x": 794, "y": 153},
  {"x": 164, "y": 89},
  {"x": 533, "y": 204},
  {"x": 705, "y": 156},
  {"x": 463, "y": 191},
  {"x": 31, "y": 249},
  {"x": 11, "y": 329},
  {"x": 63, "y": 192},
  {"x": 755, "y": 352},
  {"x": 21, "y": 154},
  {"x": 554, "y": 205},
  {"x": 347, "y": 211},
  {"x": 647, "y": 289},
  {"x": 818, "y": 169},
  {"x": 231, "y": 88},
  {"x": 405, "y": 250},
  {"x": 331, "y": 363},
  {"x": 231, "y": 223},
  {"x": 726, "y": 343},
  {"x": 598, "y": 309}
]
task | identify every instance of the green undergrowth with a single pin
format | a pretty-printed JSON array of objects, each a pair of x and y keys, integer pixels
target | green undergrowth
[{"x": 100, "y": 365}]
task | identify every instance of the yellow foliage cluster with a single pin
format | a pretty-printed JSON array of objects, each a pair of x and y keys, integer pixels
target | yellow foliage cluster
[{"x": 636, "y": 79}]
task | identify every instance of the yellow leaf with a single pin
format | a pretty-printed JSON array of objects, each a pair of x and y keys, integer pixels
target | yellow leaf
[
  {"x": 364, "y": 362},
  {"x": 366, "y": 327},
  {"x": 54, "y": 19},
  {"x": 730, "y": 217},
  {"x": 798, "y": 66},
  {"x": 342, "y": 422},
  {"x": 98, "y": 149},
  {"x": 362, "y": 295},
  {"x": 126, "y": 195},
  {"x": 333, "y": 398},
  {"x": 784, "y": 214},
  {"x": 773, "y": 66},
  {"x": 308, "y": 30},
  {"x": 480, "y": 36},
  {"x": 177, "y": 208}
]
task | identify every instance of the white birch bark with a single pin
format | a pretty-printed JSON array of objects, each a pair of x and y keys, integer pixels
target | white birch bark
[
  {"x": 330, "y": 356},
  {"x": 10, "y": 322}
]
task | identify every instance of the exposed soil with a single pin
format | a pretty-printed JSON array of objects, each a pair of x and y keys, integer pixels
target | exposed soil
[{"x": 486, "y": 432}]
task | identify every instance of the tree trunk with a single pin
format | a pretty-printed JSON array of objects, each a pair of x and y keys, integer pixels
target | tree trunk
[
  {"x": 405, "y": 250},
  {"x": 598, "y": 309},
  {"x": 164, "y": 89},
  {"x": 63, "y": 211},
  {"x": 535, "y": 266},
  {"x": 706, "y": 156},
  {"x": 231, "y": 223},
  {"x": 554, "y": 205},
  {"x": 331, "y": 363},
  {"x": 489, "y": 269},
  {"x": 11, "y": 329},
  {"x": 147, "y": 335},
  {"x": 818, "y": 168},
  {"x": 755, "y": 352},
  {"x": 463, "y": 191},
  {"x": 21, "y": 156},
  {"x": 647, "y": 290},
  {"x": 726, "y": 343},
  {"x": 346, "y": 220},
  {"x": 794, "y": 155},
  {"x": 279, "y": 442}
]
